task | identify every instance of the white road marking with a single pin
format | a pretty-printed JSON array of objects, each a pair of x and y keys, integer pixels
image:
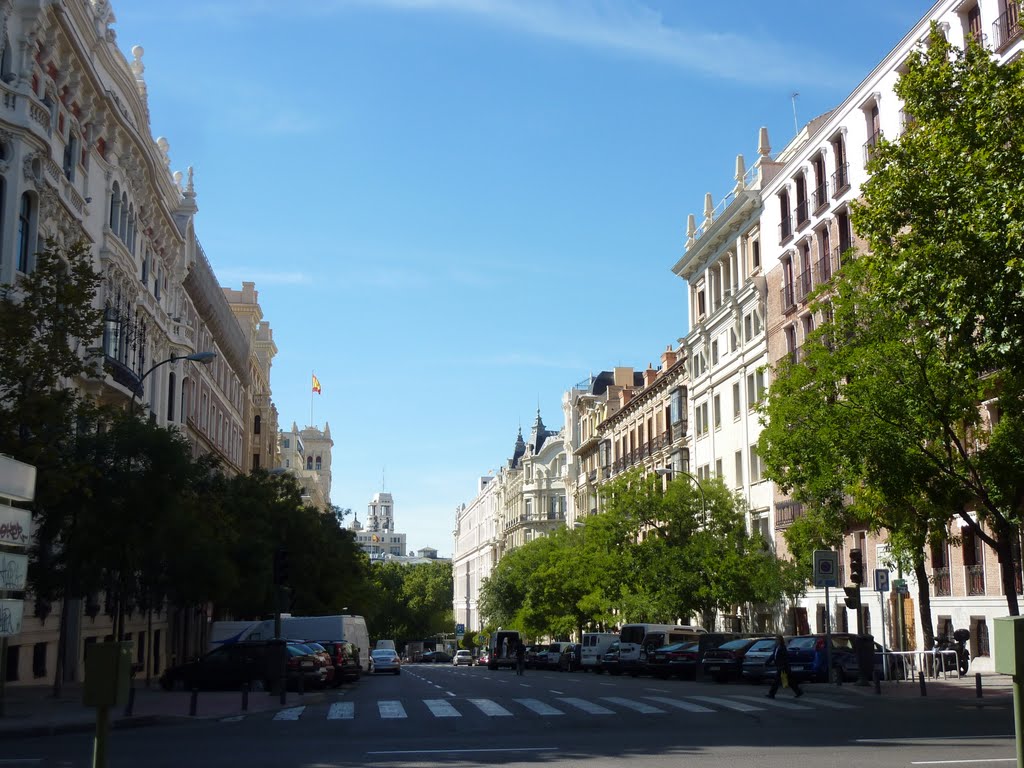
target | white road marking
[
  {"x": 728, "y": 704},
  {"x": 965, "y": 762},
  {"x": 588, "y": 706},
  {"x": 774, "y": 703},
  {"x": 292, "y": 713},
  {"x": 391, "y": 710},
  {"x": 639, "y": 706},
  {"x": 539, "y": 707},
  {"x": 441, "y": 708},
  {"x": 342, "y": 710},
  {"x": 680, "y": 704},
  {"x": 490, "y": 708},
  {"x": 460, "y": 751},
  {"x": 931, "y": 739}
]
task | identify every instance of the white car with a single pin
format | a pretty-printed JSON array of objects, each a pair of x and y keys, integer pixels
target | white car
[{"x": 462, "y": 657}]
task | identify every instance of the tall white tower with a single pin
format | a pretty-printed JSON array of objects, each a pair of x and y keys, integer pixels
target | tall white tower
[{"x": 381, "y": 514}]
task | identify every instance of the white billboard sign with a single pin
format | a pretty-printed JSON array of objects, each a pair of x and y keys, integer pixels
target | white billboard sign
[
  {"x": 13, "y": 570},
  {"x": 10, "y": 617},
  {"x": 17, "y": 479},
  {"x": 15, "y": 525}
]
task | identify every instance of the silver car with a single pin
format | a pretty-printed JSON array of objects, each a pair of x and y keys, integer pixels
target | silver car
[{"x": 386, "y": 660}]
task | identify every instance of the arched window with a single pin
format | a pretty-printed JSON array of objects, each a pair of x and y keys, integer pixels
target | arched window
[
  {"x": 309, "y": 462},
  {"x": 122, "y": 227},
  {"x": 256, "y": 425},
  {"x": 26, "y": 236},
  {"x": 170, "y": 397},
  {"x": 130, "y": 234},
  {"x": 115, "y": 207},
  {"x": 184, "y": 412},
  {"x": 5, "y": 62},
  {"x": 317, "y": 463},
  {"x": 145, "y": 267}
]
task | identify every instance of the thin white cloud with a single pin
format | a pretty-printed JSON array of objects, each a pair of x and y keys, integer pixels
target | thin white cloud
[{"x": 627, "y": 27}]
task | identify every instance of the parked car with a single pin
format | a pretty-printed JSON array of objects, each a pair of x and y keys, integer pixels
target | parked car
[
  {"x": 726, "y": 661},
  {"x": 687, "y": 666},
  {"x": 553, "y": 658},
  {"x": 807, "y": 657},
  {"x": 757, "y": 664},
  {"x": 345, "y": 657},
  {"x": 324, "y": 659},
  {"x": 530, "y": 659},
  {"x": 304, "y": 668},
  {"x": 436, "y": 657},
  {"x": 386, "y": 660},
  {"x": 571, "y": 658},
  {"x": 462, "y": 658},
  {"x": 610, "y": 660},
  {"x": 227, "y": 668},
  {"x": 664, "y": 662}
]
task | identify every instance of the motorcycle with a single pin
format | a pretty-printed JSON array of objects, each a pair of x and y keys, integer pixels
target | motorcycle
[{"x": 958, "y": 644}]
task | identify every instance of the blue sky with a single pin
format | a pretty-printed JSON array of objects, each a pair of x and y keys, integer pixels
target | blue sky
[{"x": 454, "y": 210}]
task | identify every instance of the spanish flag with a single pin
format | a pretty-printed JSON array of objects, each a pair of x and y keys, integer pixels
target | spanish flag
[{"x": 316, "y": 385}]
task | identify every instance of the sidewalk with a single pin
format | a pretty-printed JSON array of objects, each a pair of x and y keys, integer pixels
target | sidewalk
[
  {"x": 993, "y": 687},
  {"x": 34, "y": 711}
]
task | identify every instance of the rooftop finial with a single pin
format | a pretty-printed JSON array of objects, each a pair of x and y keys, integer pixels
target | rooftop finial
[{"x": 764, "y": 148}]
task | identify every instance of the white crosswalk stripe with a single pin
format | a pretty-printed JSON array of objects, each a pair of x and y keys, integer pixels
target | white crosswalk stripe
[
  {"x": 538, "y": 706},
  {"x": 342, "y": 710},
  {"x": 773, "y": 702},
  {"x": 441, "y": 708},
  {"x": 292, "y": 713},
  {"x": 638, "y": 706},
  {"x": 727, "y": 703},
  {"x": 391, "y": 710},
  {"x": 490, "y": 708},
  {"x": 588, "y": 706},
  {"x": 679, "y": 704}
]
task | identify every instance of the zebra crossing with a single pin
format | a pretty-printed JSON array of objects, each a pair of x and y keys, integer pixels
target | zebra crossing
[{"x": 559, "y": 706}]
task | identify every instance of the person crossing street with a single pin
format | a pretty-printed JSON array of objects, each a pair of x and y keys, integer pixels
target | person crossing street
[{"x": 783, "y": 675}]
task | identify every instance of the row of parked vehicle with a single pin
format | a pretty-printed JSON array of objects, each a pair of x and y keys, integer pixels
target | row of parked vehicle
[
  {"x": 308, "y": 664},
  {"x": 723, "y": 657}
]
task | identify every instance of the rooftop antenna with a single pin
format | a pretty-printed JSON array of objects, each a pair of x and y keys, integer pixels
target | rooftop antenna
[
  {"x": 796, "y": 124},
  {"x": 382, "y": 469}
]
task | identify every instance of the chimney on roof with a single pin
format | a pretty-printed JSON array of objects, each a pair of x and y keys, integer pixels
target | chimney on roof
[
  {"x": 623, "y": 377},
  {"x": 625, "y": 395},
  {"x": 668, "y": 358},
  {"x": 650, "y": 375}
]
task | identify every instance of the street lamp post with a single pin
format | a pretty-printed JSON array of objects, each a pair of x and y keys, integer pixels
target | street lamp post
[
  {"x": 668, "y": 472},
  {"x": 198, "y": 357}
]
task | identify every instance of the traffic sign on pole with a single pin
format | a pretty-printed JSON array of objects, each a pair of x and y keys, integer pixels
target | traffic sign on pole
[
  {"x": 826, "y": 568},
  {"x": 881, "y": 580}
]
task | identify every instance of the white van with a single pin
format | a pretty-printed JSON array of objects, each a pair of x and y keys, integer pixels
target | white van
[
  {"x": 637, "y": 640},
  {"x": 595, "y": 645},
  {"x": 351, "y": 629}
]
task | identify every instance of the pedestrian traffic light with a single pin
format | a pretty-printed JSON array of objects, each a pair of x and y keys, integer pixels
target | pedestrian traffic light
[
  {"x": 852, "y": 597},
  {"x": 856, "y": 567},
  {"x": 280, "y": 565}
]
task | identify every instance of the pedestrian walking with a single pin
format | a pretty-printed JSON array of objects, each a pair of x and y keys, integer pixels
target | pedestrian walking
[
  {"x": 520, "y": 658},
  {"x": 783, "y": 676}
]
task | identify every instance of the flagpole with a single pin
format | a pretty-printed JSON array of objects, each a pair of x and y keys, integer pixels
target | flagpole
[{"x": 312, "y": 375}]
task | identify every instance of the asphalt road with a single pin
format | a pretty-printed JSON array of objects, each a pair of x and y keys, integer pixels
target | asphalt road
[{"x": 437, "y": 715}]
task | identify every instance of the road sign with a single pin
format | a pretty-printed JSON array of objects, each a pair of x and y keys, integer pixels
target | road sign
[
  {"x": 881, "y": 580},
  {"x": 900, "y": 586},
  {"x": 460, "y": 629},
  {"x": 826, "y": 568}
]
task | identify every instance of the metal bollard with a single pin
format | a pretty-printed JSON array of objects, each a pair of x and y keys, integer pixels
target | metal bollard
[
  {"x": 131, "y": 702},
  {"x": 245, "y": 697},
  {"x": 924, "y": 691},
  {"x": 193, "y": 702},
  {"x": 977, "y": 684},
  {"x": 878, "y": 681}
]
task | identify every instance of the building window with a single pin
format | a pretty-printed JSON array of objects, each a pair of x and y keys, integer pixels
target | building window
[
  {"x": 115, "y": 208},
  {"x": 170, "y": 397},
  {"x": 841, "y": 177},
  {"x": 256, "y": 424},
  {"x": 737, "y": 405},
  {"x": 714, "y": 352},
  {"x": 979, "y": 637},
  {"x": 755, "y": 465},
  {"x": 739, "y": 469},
  {"x": 309, "y": 462},
  {"x": 788, "y": 288},
  {"x": 318, "y": 463},
  {"x": 785, "y": 221},
  {"x": 718, "y": 411},
  {"x": 26, "y": 236},
  {"x": 802, "y": 215},
  {"x": 39, "y": 660},
  {"x": 718, "y": 468},
  {"x": 755, "y": 388},
  {"x": 973, "y": 31},
  {"x": 255, "y": 461}
]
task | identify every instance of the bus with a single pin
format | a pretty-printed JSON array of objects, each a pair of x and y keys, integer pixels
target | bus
[{"x": 636, "y": 640}]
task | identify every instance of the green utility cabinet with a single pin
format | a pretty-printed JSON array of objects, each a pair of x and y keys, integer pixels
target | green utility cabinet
[
  {"x": 108, "y": 671},
  {"x": 1010, "y": 645}
]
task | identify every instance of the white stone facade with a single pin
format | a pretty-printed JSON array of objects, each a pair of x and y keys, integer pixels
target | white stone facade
[{"x": 476, "y": 551}]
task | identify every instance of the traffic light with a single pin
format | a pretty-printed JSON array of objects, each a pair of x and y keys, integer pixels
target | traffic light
[
  {"x": 856, "y": 567},
  {"x": 280, "y": 565},
  {"x": 852, "y": 597}
]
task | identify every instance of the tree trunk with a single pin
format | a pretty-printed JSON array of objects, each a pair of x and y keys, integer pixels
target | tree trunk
[
  {"x": 62, "y": 644},
  {"x": 1007, "y": 566},
  {"x": 924, "y": 599}
]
